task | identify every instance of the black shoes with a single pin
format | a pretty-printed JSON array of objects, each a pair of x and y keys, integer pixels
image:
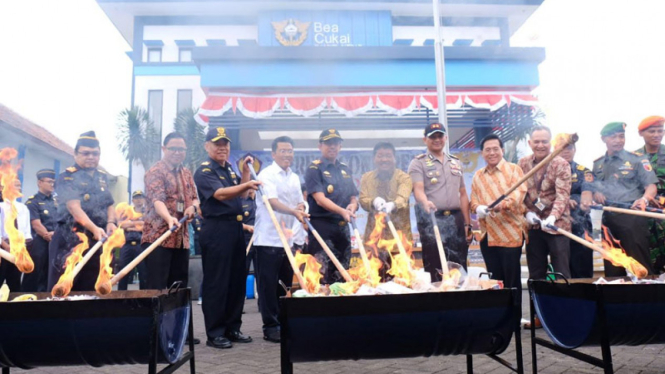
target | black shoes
[
  {"x": 272, "y": 336},
  {"x": 238, "y": 337},
  {"x": 219, "y": 342},
  {"x": 197, "y": 341}
]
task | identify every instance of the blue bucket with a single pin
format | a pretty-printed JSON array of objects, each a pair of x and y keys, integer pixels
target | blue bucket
[{"x": 250, "y": 286}]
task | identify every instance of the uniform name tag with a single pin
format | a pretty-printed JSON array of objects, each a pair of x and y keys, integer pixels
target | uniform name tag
[
  {"x": 180, "y": 206},
  {"x": 539, "y": 204}
]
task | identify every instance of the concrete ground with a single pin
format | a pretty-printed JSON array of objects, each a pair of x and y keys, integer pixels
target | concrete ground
[{"x": 263, "y": 357}]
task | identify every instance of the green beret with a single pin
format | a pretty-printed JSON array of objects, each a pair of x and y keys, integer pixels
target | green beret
[{"x": 613, "y": 128}]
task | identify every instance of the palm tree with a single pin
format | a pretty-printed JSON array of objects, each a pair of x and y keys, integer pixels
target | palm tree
[
  {"x": 138, "y": 139},
  {"x": 194, "y": 134}
]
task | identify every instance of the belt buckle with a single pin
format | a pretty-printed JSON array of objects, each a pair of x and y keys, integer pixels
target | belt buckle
[
  {"x": 446, "y": 213},
  {"x": 342, "y": 223},
  {"x": 133, "y": 243},
  {"x": 239, "y": 217}
]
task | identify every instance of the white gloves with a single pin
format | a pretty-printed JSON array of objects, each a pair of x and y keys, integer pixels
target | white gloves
[
  {"x": 549, "y": 221},
  {"x": 389, "y": 207},
  {"x": 482, "y": 211},
  {"x": 378, "y": 203},
  {"x": 532, "y": 218}
]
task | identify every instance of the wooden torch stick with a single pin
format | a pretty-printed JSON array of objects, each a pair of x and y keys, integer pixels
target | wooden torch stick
[
  {"x": 361, "y": 248},
  {"x": 7, "y": 256},
  {"x": 129, "y": 267},
  {"x": 393, "y": 230},
  {"x": 571, "y": 140},
  {"x": 439, "y": 244},
  {"x": 634, "y": 212},
  {"x": 87, "y": 257},
  {"x": 335, "y": 261},
  {"x": 249, "y": 245},
  {"x": 639, "y": 270},
  {"x": 282, "y": 237}
]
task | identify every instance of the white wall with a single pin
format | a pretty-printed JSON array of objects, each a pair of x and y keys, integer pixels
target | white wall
[
  {"x": 421, "y": 33},
  {"x": 37, "y": 156},
  {"x": 198, "y": 33}
]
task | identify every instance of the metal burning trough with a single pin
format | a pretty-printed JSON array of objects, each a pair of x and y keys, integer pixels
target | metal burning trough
[
  {"x": 399, "y": 326},
  {"x": 125, "y": 327},
  {"x": 578, "y": 313}
]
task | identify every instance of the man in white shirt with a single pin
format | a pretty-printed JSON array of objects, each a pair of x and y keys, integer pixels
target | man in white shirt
[
  {"x": 282, "y": 188},
  {"x": 8, "y": 271}
]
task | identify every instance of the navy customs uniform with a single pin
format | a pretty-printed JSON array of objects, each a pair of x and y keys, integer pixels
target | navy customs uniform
[
  {"x": 248, "y": 218},
  {"x": 44, "y": 209},
  {"x": 222, "y": 248},
  {"x": 90, "y": 187},
  {"x": 130, "y": 251},
  {"x": 335, "y": 182},
  {"x": 581, "y": 258}
]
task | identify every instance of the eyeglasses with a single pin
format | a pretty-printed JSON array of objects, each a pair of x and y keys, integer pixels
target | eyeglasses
[
  {"x": 285, "y": 151},
  {"x": 177, "y": 149},
  {"x": 89, "y": 153}
]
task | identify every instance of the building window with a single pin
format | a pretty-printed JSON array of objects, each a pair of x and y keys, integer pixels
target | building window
[
  {"x": 184, "y": 100},
  {"x": 185, "y": 55},
  {"x": 154, "y": 55},
  {"x": 155, "y": 105}
]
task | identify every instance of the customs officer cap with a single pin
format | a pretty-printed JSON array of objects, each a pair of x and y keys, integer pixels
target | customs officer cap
[
  {"x": 329, "y": 134},
  {"x": 137, "y": 193},
  {"x": 216, "y": 133},
  {"x": 651, "y": 121},
  {"x": 433, "y": 128},
  {"x": 613, "y": 128},
  {"x": 46, "y": 173},
  {"x": 87, "y": 139}
]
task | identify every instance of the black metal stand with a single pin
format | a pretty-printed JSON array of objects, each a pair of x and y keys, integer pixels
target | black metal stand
[{"x": 605, "y": 363}]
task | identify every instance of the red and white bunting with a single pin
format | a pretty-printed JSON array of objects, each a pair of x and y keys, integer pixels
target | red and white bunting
[{"x": 353, "y": 103}]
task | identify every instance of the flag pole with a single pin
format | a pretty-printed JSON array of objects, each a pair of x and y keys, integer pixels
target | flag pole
[{"x": 440, "y": 72}]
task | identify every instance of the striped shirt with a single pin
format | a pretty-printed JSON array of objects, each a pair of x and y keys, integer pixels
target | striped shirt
[{"x": 507, "y": 227}]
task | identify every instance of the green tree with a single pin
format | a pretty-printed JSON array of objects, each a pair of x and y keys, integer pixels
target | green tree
[
  {"x": 194, "y": 134},
  {"x": 138, "y": 139}
]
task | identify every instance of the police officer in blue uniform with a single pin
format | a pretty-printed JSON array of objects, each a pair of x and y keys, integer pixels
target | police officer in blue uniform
[
  {"x": 42, "y": 207},
  {"x": 132, "y": 248},
  {"x": 333, "y": 201},
  {"x": 222, "y": 240},
  {"x": 85, "y": 206}
]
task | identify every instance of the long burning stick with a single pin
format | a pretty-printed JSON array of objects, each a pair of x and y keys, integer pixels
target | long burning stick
[
  {"x": 8, "y": 256},
  {"x": 634, "y": 212},
  {"x": 572, "y": 139},
  {"x": 282, "y": 237},
  {"x": 335, "y": 261},
  {"x": 393, "y": 230},
  {"x": 361, "y": 247},
  {"x": 628, "y": 206},
  {"x": 439, "y": 244},
  {"x": 88, "y": 256},
  {"x": 636, "y": 268},
  {"x": 249, "y": 245},
  {"x": 106, "y": 288}
]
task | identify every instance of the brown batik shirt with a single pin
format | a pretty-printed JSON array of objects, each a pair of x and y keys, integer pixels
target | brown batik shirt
[
  {"x": 552, "y": 185},
  {"x": 170, "y": 186}
]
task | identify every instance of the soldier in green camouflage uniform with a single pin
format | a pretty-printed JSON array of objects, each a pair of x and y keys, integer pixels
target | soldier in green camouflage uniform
[{"x": 651, "y": 129}]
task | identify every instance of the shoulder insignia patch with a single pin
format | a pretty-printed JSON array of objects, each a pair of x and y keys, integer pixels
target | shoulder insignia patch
[
  {"x": 71, "y": 169},
  {"x": 453, "y": 156},
  {"x": 205, "y": 170},
  {"x": 313, "y": 167},
  {"x": 580, "y": 167},
  {"x": 101, "y": 171},
  {"x": 316, "y": 162},
  {"x": 421, "y": 156},
  {"x": 205, "y": 163},
  {"x": 638, "y": 153},
  {"x": 646, "y": 165},
  {"x": 32, "y": 197},
  {"x": 69, "y": 178}
]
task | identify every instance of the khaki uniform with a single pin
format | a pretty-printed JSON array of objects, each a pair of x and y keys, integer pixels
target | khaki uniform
[{"x": 442, "y": 182}]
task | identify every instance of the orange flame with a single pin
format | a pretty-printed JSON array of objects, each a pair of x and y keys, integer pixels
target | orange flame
[
  {"x": 359, "y": 273},
  {"x": 401, "y": 266},
  {"x": 10, "y": 192},
  {"x": 66, "y": 281},
  {"x": 311, "y": 273},
  {"x": 451, "y": 280},
  {"x": 126, "y": 212},
  {"x": 615, "y": 254},
  {"x": 116, "y": 240}
]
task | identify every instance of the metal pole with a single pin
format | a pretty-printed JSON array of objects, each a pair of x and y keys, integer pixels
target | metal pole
[{"x": 440, "y": 72}]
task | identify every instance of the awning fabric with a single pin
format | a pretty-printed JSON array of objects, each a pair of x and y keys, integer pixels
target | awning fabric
[{"x": 353, "y": 103}]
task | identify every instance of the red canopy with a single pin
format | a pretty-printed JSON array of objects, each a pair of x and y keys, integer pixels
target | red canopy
[{"x": 352, "y": 104}]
